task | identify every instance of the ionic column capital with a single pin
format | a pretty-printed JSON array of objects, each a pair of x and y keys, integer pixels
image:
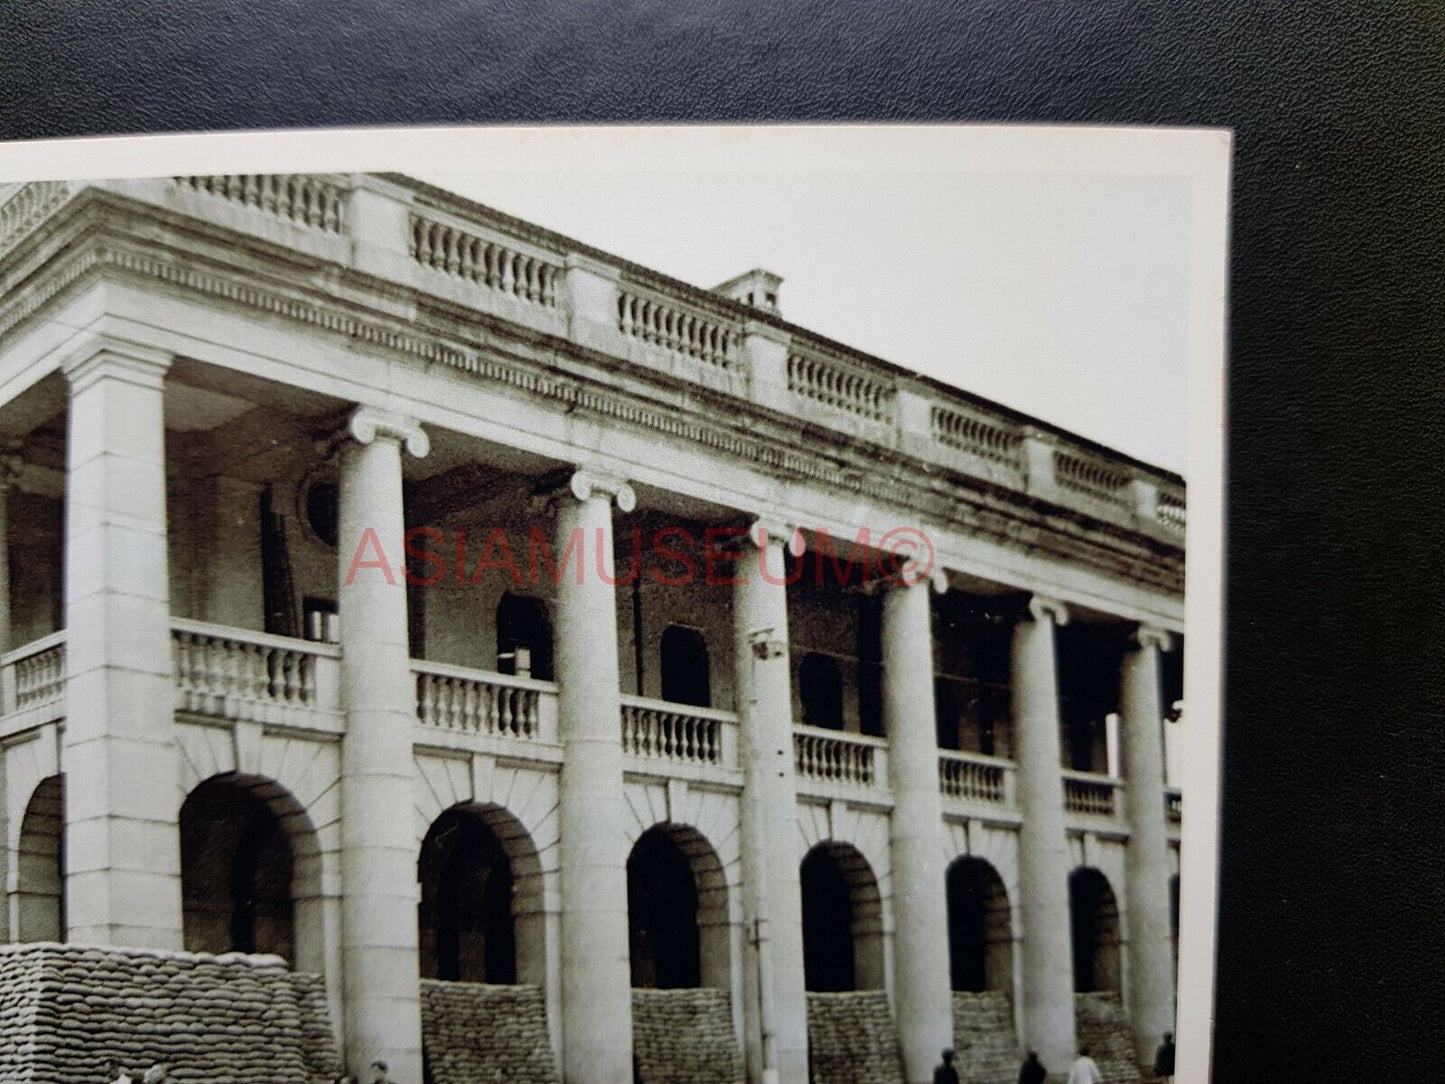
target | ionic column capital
[
  {"x": 772, "y": 527},
  {"x": 584, "y": 483},
  {"x": 1042, "y": 608},
  {"x": 1147, "y": 636},
  {"x": 367, "y": 424},
  {"x": 912, "y": 572}
]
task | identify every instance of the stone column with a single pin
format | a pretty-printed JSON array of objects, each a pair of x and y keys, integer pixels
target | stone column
[
  {"x": 1048, "y": 962},
  {"x": 9, "y": 474},
  {"x": 1151, "y": 946},
  {"x": 382, "y": 1017},
  {"x": 921, "y": 987},
  {"x": 776, "y": 1002},
  {"x": 10, "y": 465},
  {"x": 122, "y": 839},
  {"x": 596, "y": 969}
]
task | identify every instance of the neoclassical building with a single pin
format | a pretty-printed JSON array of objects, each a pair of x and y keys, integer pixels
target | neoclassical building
[{"x": 573, "y": 667}]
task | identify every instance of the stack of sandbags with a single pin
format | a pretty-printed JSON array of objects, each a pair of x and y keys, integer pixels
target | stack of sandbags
[
  {"x": 987, "y": 1041},
  {"x": 852, "y": 1040},
  {"x": 478, "y": 1033},
  {"x": 1102, "y": 1025},
  {"x": 685, "y": 1037},
  {"x": 70, "y": 1011}
]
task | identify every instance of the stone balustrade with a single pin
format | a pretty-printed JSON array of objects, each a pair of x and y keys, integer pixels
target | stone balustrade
[
  {"x": 489, "y": 264},
  {"x": 34, "y": 675},
  {"x": 678, "y": 733},
  {"x": 1169, "y": 510},
  {"x": 675, "y": 326},
  {"x": 474, "y": 255},
  {"x": 254, "y": 676},
  {"x": 830, "y": 756},
  {"x": 1091, "y": 795},
  {"x": 461, "y": 700},
  {"x": 22, "y": 206},
  {"x": 296, "y": 197},
  {"x": 973, "y": 777},
  {"x": 968, "y": 432},
  {"x": 1092, "y": 477},
  {"x": 841, "y": 386}
]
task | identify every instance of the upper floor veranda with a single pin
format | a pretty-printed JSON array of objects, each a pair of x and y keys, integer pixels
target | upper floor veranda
[{"x": 280, "y": 303}]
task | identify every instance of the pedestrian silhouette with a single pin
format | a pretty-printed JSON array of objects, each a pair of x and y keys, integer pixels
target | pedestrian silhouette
[
  {"x": 1164, "y": 1058},
  {"x": 946, "y": 1073},
  {"x": 1032, "y": 1071},
  {"x": 1084, "y": 1071}
]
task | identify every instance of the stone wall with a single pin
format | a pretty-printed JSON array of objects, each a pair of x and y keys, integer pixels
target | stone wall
[
  {"x": 985, "y": 1038},
  {"x": 1102, "y": 1025},
  {"x": 68, "y": 1011},
  {"x": 852, "y": 1040},
  {"x": 685, "y": 1037},
  {"x": 475, "y": 1033}
]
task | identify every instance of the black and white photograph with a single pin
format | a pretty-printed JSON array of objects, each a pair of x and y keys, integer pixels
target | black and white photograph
[{"x": 612, "y": 605}]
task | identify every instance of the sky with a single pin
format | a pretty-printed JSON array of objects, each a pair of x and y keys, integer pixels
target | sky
[{"x": 1059, "y": 294}]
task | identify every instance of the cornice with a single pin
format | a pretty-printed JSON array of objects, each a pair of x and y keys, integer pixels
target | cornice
[{"x": 962, "y": 506}]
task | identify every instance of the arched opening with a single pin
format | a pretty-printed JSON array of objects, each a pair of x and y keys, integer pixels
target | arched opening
[
  {"x": 480, "y": 917},
  {"x": 250, "y": 871},
  {"x": 820, "y": 687},
  {"x": 662, "y": 915},
  {"x": 40, "y": 865},
  {"x": 1094, "y": 920},
  {"x": 686, "y": 672},
  {"x": 677, "y": 911},
  {"x": 524, "y": 637},
  {"x": 980, "y": 935},
  {"x": 842, "y": 921}
]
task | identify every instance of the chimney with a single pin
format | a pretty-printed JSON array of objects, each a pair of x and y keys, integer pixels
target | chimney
[{"x": 757, "y": 288}]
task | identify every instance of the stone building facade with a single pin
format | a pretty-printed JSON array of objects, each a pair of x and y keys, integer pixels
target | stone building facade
[{"x": 425, "y": 598}]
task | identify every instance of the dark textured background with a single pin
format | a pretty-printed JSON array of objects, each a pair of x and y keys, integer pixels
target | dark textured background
[{"x": 1333, "y": 899}]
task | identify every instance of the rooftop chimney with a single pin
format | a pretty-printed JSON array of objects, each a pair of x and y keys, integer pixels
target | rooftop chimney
[{"x": 757, "y": 288}]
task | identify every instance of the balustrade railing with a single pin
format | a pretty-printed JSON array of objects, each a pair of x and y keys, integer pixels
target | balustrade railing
[
  {"x": 1093, "y": 795},
  {"x": 1170, "y": 510},
  {"x": 34, "y": 674},
  {"x": 23, "y": 206},
  {"x": 1092, "y": 477},
  {"x": 832, "y": 757},
  {"x": 677, "y": 328},
  {"x": 454, "y": 698},
  {"x": 976, "y": 436},
  {"x": 475, "y": 248},
  {"x": 675, "y": 732},
  {"x": 841, "y": 387},
  {"x": 973, "y": 777},
  {"x": 296, "y": 197},
  {"x": 226, "y": 671},
  {"x": 487, "y": 263}
]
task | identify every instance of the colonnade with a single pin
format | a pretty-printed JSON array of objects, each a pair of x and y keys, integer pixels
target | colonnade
[{"x": 122, "y": 859}]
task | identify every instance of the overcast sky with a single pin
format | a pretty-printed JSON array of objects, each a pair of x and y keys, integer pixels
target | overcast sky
[{"x": 1060, "y": 295}]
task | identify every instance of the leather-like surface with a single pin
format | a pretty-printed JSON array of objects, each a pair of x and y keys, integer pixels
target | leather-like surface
[{"x": 1332, "y": 900}]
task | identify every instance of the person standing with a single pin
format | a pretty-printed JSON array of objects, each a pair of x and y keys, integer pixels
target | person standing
[
  {"x": 1164, "y": 1058},
  {"x": 946, "y": 1073},
  {"x": 1032, "y": 1071},
  {"x": 1084, "y": 1071}
]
